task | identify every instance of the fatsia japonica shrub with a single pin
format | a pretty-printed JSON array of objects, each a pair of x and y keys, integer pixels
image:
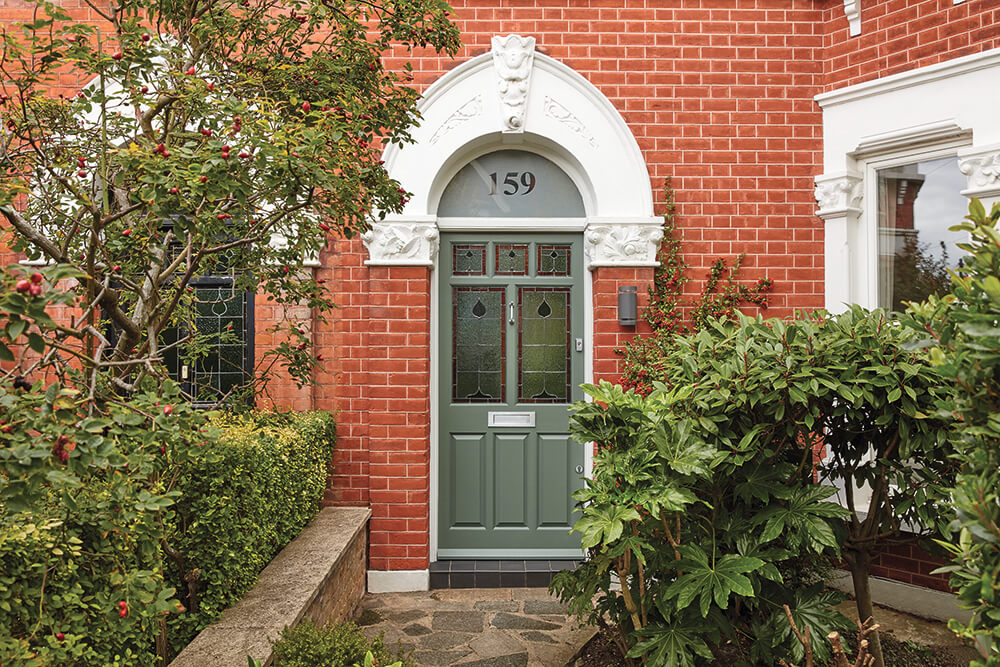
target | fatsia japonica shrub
[
  {"x": 777, "y": 405},
  {"x": 702, "y": 526},
  {"x": 966, "y": 348}
]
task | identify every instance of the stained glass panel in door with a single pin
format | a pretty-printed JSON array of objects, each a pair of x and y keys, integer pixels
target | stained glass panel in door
[
  {"x": 478, "y": 349},
  {"x": 543, "y": 345}
]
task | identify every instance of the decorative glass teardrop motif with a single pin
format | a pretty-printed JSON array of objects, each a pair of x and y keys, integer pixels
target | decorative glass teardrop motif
[
  {"x": 544, "y": 309},
  {"x": 479, "y": 309}
]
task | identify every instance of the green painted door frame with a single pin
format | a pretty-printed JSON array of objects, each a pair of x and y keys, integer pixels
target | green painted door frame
[{"x": 511, "y": 360}]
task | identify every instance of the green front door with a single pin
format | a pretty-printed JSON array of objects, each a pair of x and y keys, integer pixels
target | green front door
[{"x": 511, "y": 362}]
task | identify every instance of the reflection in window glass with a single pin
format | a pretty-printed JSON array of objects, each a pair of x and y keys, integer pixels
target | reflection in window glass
[
  {"x": 917, "y": 203},
  {"x": 511, "y": 184}
]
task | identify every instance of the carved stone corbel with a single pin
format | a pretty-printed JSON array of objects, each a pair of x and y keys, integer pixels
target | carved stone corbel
[
  {"x": 622, "y": 244},
  {"x": 401, "y": 243},
  {"x": 839, "y": 194},
  {"x": 513, "y": 57}
]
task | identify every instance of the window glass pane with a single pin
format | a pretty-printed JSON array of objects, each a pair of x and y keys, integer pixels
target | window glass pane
[
  {"x": 220, "y": 327},
  {"x": 512, "y": 260},
  {"x": 478, "y": 359},
  {"x": 544, "y": 345},
  {"x": 917, "y": 203},
  {"x": 553, "y": 260},
  {"x": 511, "y": 184},
  {"x": 469, "y": 259}
]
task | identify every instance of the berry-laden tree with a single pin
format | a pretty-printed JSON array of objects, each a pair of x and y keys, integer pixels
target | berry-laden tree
[{"x": 201, "y": 137}]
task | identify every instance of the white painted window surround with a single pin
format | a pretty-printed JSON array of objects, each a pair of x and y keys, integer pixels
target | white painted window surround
[{"x": 943, "y": 109}]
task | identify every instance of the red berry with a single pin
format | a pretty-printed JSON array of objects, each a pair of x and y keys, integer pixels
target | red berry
[
  {"x": 194, "y": 21},
  {"x": 144, "y": 90},
  {"x": 163, "y": 449},
  {"x": 63, "y": 455},
  {"x": 159, "y": 148},
  {"x": 306, "y": 107},
  {"x": 225, "y": 149},
  {"x": 81, "y": 173},
  {"x": 123, "y": 612},
  {"x": 244, "y": 155},
  {"x": 118, "y": 55},
  {"x": 168, "y": 410},
  {"x": 127, "y": 232},
  {"x": 174, "y": 190},
  {"x": 204, "y": 179},
  {"x": 35, "y": 290},
  {"x": 284, "y": 269},
  {"x": 116, "y": 268},
  {"x": 145, "y": 36},
  {"x": 23, "y": 285},
  {"x": 60, "y": 636},
  {"x": 325, "y": 227},
  {"x": 82, "y": 162},
  {"x": 211, "y": 86},
  {"x": 36, "y": 277},
  {"x": 81, "y": 95},
  {"x": 191, "y": 70},
  {"x": 122, "y": 604}
]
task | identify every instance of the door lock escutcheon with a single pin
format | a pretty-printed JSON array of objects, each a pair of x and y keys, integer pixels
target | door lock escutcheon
[{"x": 579, "y": 345}]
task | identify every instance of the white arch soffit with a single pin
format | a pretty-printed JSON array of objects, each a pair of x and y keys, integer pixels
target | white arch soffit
[{"x": 475, "y": 109}]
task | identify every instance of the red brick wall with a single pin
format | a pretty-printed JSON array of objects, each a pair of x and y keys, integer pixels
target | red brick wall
[
  {"x": 901, "y": 35},
  {"x": 608, "y": 334}
]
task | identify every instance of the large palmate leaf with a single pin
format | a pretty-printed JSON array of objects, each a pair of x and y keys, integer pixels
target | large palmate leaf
[
  {"x": 813, "y": 608},
  {"x": 671, "y": 646},
  {"x": 604, "y": 524},
  {"x": 711, "y": 580},
  {"x": 802, "y": 519}
]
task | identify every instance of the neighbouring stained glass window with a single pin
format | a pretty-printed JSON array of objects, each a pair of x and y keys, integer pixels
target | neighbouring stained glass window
[
  {"x": 478, "y": 356},
  {"x": 544, "y": 345},
  {"x": 553, "y": 260},
  {"x": 512, "y": 260},
  {"x": 469, "y": 259}
]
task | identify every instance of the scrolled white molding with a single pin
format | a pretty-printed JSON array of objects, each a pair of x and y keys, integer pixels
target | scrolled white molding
[
  {"x": 401, "y": 243},
  {"x": 513, "y": 57},
  {"x": 560, "y": 113},
  {"x": 838, "y": 195},
  {"x": 981, "y": 165},
  {"x": 464, "y": 113},
  {"x": 622, "y": 244},
  {"x": 852, "y": 10}
]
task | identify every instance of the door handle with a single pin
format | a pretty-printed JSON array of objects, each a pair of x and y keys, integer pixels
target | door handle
[{"x": 510, "y": 312}]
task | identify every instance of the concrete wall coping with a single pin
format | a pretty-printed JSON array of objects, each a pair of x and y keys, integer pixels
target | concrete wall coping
[{"x": 282, "y": 595}]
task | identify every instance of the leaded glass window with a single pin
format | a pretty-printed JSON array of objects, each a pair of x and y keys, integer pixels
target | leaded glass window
[
  {"x": 543, "y": 345},
  {"x": 553, "y": 260},
  {"x": 511, "y": 259},
  {"x": 469, "y": 259},
  {"x": 478, "y": 351}
]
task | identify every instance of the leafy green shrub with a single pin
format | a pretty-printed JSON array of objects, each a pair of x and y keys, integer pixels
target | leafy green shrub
[
  {"x": 965, "y": 326},
  {"x": 239, "y": 507},
  {"x": 84, "y": 572},
  {"x": 309, "y": 645},
  {"x": 695, "y": 519},
  {"x": 725, "y": 447}
]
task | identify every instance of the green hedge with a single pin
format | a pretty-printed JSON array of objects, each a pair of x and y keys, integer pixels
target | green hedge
[
  {"x": 236, "y": 504},
  {"x": 240, "y": 508}
]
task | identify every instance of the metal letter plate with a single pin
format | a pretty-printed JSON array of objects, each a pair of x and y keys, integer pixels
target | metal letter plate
[{"x": 512, "y": 419}]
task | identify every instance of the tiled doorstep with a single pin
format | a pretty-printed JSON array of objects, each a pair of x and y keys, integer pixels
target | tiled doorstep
[{"x": 496, "y": 573}]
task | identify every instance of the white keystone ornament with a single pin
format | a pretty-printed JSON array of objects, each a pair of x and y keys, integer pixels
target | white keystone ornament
[{"x": 513, "y": 56}]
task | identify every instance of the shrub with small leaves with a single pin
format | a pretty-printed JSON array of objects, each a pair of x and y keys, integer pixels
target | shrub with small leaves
[{"x": 310, "y": 645}]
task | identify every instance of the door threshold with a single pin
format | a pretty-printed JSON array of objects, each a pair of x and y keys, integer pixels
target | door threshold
[{"x": 496, "y": 573}]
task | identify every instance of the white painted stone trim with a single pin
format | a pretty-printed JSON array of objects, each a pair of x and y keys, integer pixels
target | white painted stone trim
[
  {"x": 622, "y": 244},
  {"x": 981, "y": 164},
  {"x": 852, "y": 10},
  {"x": 512, "y": 59},
  {"x": 921, "y": 114},
  {"x": 398, "y": 581},
  {"x": 402, "y": 243},
  {"x": 917, "y": 77},
  {"x": 916, "y": 600}
]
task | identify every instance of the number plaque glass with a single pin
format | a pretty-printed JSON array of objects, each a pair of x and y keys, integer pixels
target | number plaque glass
[{"x": 511, "y": 184}]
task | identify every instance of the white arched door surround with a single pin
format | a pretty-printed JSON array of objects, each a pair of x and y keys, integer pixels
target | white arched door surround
[{"x": 514, "y": 97}]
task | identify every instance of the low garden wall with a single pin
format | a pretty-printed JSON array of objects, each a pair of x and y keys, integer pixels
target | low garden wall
[{"x": 320, "y": 575}]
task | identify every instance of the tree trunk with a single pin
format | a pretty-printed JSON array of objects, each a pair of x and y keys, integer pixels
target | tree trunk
[{"x": 860, "y": 561}]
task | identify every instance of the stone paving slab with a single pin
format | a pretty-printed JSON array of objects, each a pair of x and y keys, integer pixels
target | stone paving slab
[{"x": 497, "y": 627}]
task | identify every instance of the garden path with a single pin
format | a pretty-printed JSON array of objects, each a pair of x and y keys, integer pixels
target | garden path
[{"x": 474, "y": 627}]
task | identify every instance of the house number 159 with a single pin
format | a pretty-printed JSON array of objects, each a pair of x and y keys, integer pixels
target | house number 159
[{"x": 513, "y": 182}]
